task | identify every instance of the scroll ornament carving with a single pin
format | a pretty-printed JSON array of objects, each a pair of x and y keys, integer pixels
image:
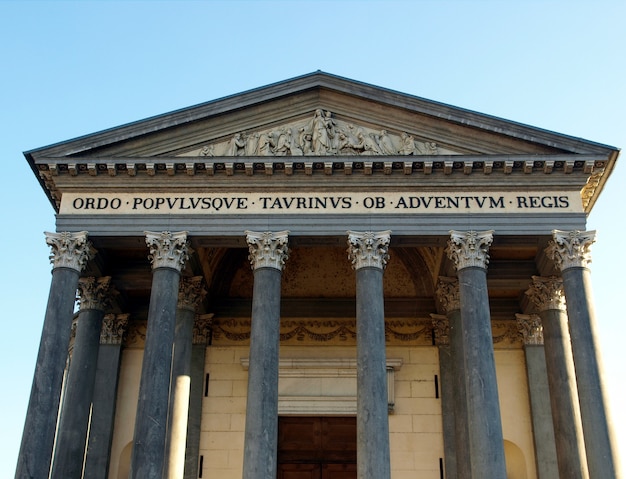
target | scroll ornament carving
[
  {"x": 191, "y": 292},
  {"x": 469, "y": 249},
  {"x": 114, "y": 328},
  {"x": 70, "y": 250},
  {"x": 530, "y": 328},
  {"x": 441, "y": 328},
  {"x": 322, "y": 135},
  {"x": 368, "y": 249},
  {"x": 571, "y": 249},
  {"x": 94, "y": 293},
  {"x": 448, "y": 294},
  {"x": 267, "y": 249},
  {"x": 202, "y": 329},
  {"x": 167, "y": 250},
  {"x": 547, "y": 293}
]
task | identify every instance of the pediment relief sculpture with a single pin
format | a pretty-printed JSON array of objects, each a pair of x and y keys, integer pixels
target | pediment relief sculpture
[{"x": 321, "y": 135}]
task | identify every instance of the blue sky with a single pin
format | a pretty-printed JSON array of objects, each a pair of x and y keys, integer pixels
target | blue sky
[{"x": 73, "y": 68}]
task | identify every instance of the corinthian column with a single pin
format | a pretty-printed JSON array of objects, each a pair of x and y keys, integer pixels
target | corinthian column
[
  {"x": 268, "y": 253},
  {"x": 190, "y": 295},
  {"x": 547, "y": 295},
  {"x": 529, "y": 326},
  {"x": 168, "y": 253},
  {"x": 571, "y": 253},
  {"x": 105, "y": 396},
  {"x": 70, "y": 253},
  {"x": 369, "y": 255},
  {"x": 448, "y": 296},
  {"x": 69, "y": 451},
  {"x": 469, "y": 252}
]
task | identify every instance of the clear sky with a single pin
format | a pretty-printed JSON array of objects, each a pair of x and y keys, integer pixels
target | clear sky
[{"x": 74, "y": 68}]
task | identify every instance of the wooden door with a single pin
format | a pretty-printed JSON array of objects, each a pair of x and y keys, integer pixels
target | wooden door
[{"x": 312, "y": 447}]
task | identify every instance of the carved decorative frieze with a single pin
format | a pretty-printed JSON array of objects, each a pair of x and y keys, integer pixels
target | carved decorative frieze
[
  {"x": 267, "y": 249},
  {"x": 505, "y": 333},
  {"x": 448, "y": 294},
  {"x": 441, "y": 329},
  {"x": 530, "y": 328},
  {"x": 94, "y": 293},
  {"x": 469, "y": 249},
  {"x": 571, "y": 249},
  {"x": 321, "y": 135},
  {"x": 202, "y": 329},
  {"x": 114, "y": 327},
  {"x": 167, "y": 250},
  {"x": 547, "y": 293},
  {"x": 191, "y": 292},
  {"x": 328, "y": 330},
  {"x": 368, "y": 249},
  {"x": 70, "y": 250}
]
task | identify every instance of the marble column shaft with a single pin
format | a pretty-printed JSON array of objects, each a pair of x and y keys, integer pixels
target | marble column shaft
[
  {"x": 446, "y": 380},
  {"x": 571, "y": 254},
  {"x": 546, "y": 293},
  {"x": 268, "y": 253},
  {"x": 70, "y": 252},
  {"x": 105, "y": 396},
  {"x": 486, "y": 443},
  {"x": 190, "y": 294},
  {"x": 368, "y": 252},
  {"x": 539, "y": 395},
  {"x": 168, "y": 252},
  {"x": 448, "y": 295},
  {"x": 69, "y": 451}
]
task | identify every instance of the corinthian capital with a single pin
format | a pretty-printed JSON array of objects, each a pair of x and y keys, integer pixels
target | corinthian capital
[
  {"x": 70, "y": 250},
  {"x": 448, "y": 293},
  {"x": 267, "y": 249},
  {"x": 547, "y": 293},
  {"x": 190, "y": 293},
  {"x": 369, "y": 249},
  {"x": 202, "y": 329},
  {"x": 113, "y": 328},
  {"x": 167, "y": 250},
  {"x": 441, "y": 328},
  {"x": 94, "y": 293},
  {"x": 570, "y": 249},
  {"x": 530, "y": 328},
  {"x": 469, "y": 249}
]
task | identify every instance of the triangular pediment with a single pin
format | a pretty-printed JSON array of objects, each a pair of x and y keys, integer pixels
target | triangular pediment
[{"x": 318, "y": 115}]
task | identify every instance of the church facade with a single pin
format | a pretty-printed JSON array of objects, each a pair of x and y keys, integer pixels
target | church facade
[{"x": 320, "y": 278}]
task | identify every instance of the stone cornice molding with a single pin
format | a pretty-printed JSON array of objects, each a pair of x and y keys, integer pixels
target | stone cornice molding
[
  {"x": 441, "y": 328},
  {"x": 114, "y": 328},
  {"x": 268, "y": 249},
  {"x": 448, "y": 294},
  {"x": 469, "y": 249},
  {"x": 202, "y": 329},
  {"x": 70, "y": 250},
  {"x": 191, "y": 292},
  {"x": 571, "y": 249},
  {"x": 94, "y": 293},
  {"x": 368, "y": 249},
  {"x": 530, "y": 328},
  {"x": 167, "y": 250},
  {"x": 547, "y": 293}
]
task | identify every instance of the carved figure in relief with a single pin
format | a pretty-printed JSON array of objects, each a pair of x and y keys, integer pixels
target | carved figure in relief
[
  {"x": 322, "y": 132},
  {"x": 283, "y": 144},
  {"x": 430, "y": 148},
  {"x": 252, "y": 142},
  {"x": 304, "y": 140},
  {"x": 386, "y": 144},
  {"x": 408, "y": 144},
  {"x": 345, "y": 146},
  {"x": 208, "y": 150},
  {"x": 236, "y": 146},
  {"x": 367, "y": 145},
  {"x": 266, "y": 142}
]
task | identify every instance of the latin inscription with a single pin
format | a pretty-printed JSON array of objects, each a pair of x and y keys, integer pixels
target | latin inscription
[{"x": 289, "y": 203}]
